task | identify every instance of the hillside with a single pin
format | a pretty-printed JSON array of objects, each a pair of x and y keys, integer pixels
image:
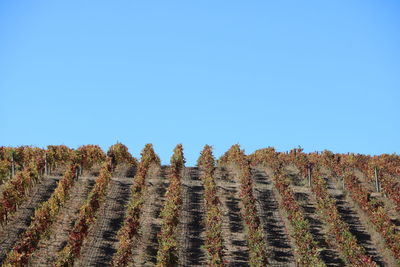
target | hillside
[{"x": 85, "y": 207}]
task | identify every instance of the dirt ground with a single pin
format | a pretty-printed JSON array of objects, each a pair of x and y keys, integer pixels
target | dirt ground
[
  {"x": 102, "y": 241},
  {"x": 59, "y": 231},
  {"x": 273, "y": 220},
  {"x": 19, "y": 221}
]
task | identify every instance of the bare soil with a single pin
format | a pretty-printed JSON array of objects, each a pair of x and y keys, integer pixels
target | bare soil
[
  {"x": 191, "y": 230},
  {"x": 275, "y": 226},
  {"x": 101, "y": 244},
  {"x": 58, "y": 234},
  {"x": 306, "y": 199},
  {"x": 20, "y": 221},
  {"x": 102, "y": 240},
  {"x": 233, "y": 230},
  {"x": 145, "y": 253},
  {"x": 387, "y": 203},
  {"x": 359, "y": 225}
]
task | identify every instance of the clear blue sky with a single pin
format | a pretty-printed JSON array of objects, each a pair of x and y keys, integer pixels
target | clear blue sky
[{"x": 320, "y": 74}]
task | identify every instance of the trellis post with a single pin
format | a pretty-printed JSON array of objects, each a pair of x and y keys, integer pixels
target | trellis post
[
  {"x": 45, "y": 164},
  {"x": 12, "y": 165},
  {"x": 377, "y": 185},
  {"x": 343, "y": 183},
  {"x": 77, "y": 172}
]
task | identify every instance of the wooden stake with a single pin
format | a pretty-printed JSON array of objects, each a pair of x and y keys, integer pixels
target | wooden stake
[
  {"x": 343, "y": 184},
  {"x": 377, "y": 185},
  {"x": 12, "y": 166},
  {"x": 45, "y": 163},
  {"x": 309, "y": 176}
]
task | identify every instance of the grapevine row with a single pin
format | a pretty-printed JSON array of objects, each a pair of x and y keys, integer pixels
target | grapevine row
[
  {"x": 4, "y": 171},
  {"x": 213, "y": 219},
  {"x": 16, "y": 159},
  {"x": 376, "y": 213},
  {"x": 386, "y": 168},
  {"x": 307, "y": 247},
  {"x": 351, "y": 251},
  {"x": 389, "y": 163},
  {"x": 44, "y": 217},
  {"x": 22, "y": 156},
  {"x": 16, "y": 190},
  {"x": 167, "y": 251},
  {"x": 255, "y": 236},
  {"x": 131, "y": 223},
  {"x": 391, "y": 187},
  {"x": 54, "y": 156},
  {"x": 87, "y": 217},
  {"x": 385, "y": 165},
  {"x": 119, "y": 154}
]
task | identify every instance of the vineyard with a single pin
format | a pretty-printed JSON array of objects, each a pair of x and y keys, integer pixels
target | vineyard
[{"x": 87, "y": 207}]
